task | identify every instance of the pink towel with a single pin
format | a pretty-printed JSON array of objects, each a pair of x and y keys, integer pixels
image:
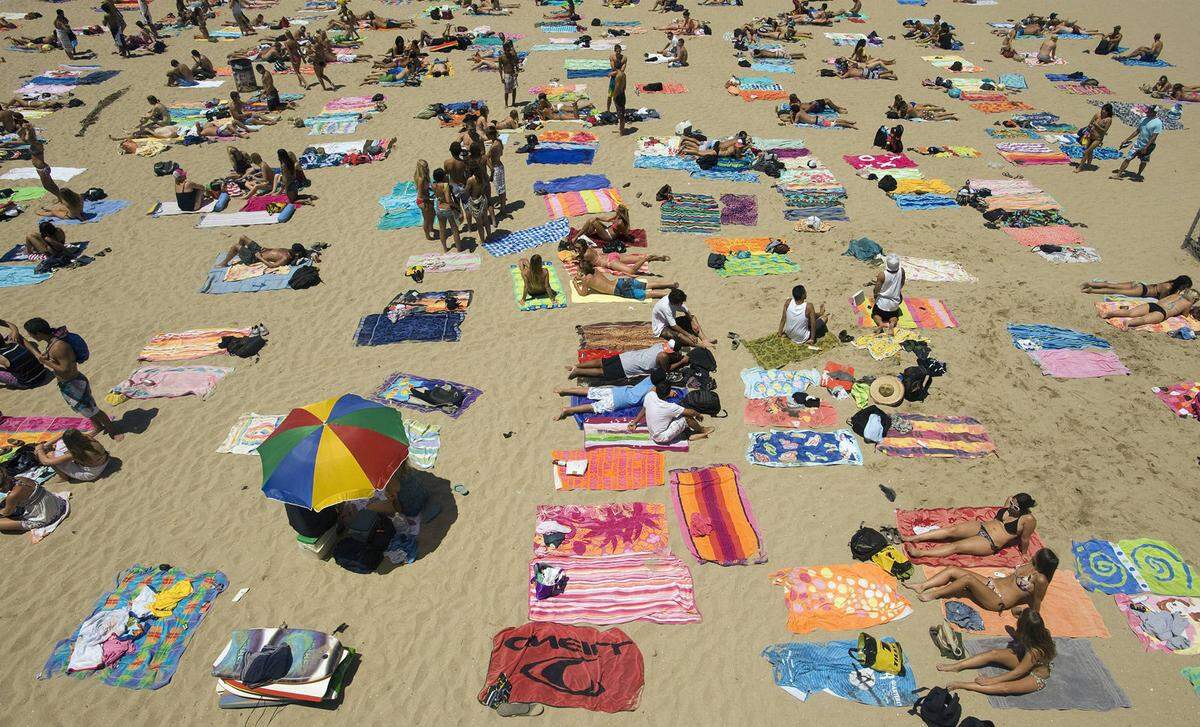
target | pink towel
[{"x": 1088, "y": 363}]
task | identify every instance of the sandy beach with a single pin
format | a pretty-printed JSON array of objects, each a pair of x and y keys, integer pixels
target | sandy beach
[{"x": 1103, "y": 456}]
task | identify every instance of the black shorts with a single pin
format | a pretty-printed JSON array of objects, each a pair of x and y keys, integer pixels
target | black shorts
[
  {"x": 612, "y": 368},
  {"x": 619, "y": 100},
  {"x": 885, "y": 315}
]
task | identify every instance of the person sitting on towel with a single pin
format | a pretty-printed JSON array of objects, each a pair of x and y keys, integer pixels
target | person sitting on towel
[
  {"x": 563, "y": 110},
  {"x": 1024, "y": 589},
  {"x": 589, "y": 280},
  {"x": 1144, "y": 314},
  {"x": 671, "y": 319},
  {"x": 802, "y": 322},
  {"x": 27, "y": 505},
  {"x": 49, "y": 240},
  {"x": 1144, "y": 54},
  {"x": 631, "y": 364},
  {"x": 249, "y": 252},
  {"x": 1013, "y": 525},
  {"x": 609, "y": 228},
  {"x": 76, "y": 456},
  {"x": 180, "y": 75},
  {"x": 1135, "y": 289},
  {"x": 1027, "y": 659},
  {"x": 1109, "y": 43},
  {"x": 668, "y": 422},
  {"x": 684, "y": 26},
  {"x": 202, "y": 68},
  {"x": 189, "y": 195}
]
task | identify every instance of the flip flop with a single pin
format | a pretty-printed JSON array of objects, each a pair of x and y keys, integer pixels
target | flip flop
[
  {"x": 519, "y": 709},
  {"x": 888, "y": 492},
  {"x": 460, "y": 489}
]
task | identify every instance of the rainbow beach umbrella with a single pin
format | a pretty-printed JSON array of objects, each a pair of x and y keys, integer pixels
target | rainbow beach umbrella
[{"x": 336, "y": 450}]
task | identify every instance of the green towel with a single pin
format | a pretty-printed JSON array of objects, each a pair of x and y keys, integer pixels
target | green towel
[
  {"x": 774, "y": 351},
  {"x": 760, "y": 264},
  {"x": 27, "y": 194},
  {"x": 560, "y": 296},
  {"x": 586, "y": 64}
]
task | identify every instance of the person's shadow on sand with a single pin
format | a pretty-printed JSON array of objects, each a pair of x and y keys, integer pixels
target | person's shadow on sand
[
  {"x": 136, "y": 421},
  {"x": 426, "y": 493}
]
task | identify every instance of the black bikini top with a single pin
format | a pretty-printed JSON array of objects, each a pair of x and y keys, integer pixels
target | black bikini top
[{"x": 1009, "y": 527}]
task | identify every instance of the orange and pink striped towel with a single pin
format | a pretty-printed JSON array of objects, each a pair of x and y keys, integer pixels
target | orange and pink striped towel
[
  {"x": 717, "y": 522},
  {"x": 187, "y": 345},
  {"x": 586, "y": 202}
]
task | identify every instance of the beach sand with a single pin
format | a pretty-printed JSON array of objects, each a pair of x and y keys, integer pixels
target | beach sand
[{"x": 1103, "y": 457}]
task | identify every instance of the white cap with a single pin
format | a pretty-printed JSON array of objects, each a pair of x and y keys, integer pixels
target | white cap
[
  {"x": 813, "y": 222},
  {"x": 683, "y": 127},
  {"x": 892, "y": 261}
]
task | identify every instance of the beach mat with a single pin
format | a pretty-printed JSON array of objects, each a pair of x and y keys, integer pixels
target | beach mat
[
  {"x": 584, "y": 202},
  {"x": 508, "y": 243},
  {"x": 616, "y": 336},
  {"x": 396, "y": 391},
  {"x": 773, "y": 351},
  {"x": 377, "y": 330},
  {"x": 914, "y": 312},
  {"x": 803, "y": 448},
  {"x": 803, "y": 668},
  {"x": 1080, "y": 680},
  {"x": 248, "y": 432},
  {"x": 445, "y": 262},
  {"x": 561, "y": 154},
  {"x": 1079, "y": 363},
  {"x": 768, "y": 383},
  {"x": 93, "y": 211},
  {"x": 936, "y": 436},
  {"x": 577, "y": 183},
  {"x": 1145, "y": 613},
  {"x": 694, "y": 214},
  {"x": 34, "y": 429},
  {"x": 772, "y": 412},
  {"x": 1100, "y": 565},
  {"x": 156, "y": 655},
  {"x": 558, "y": 301},
  {"x": 1161, "y": 567},
  {"x": 600, "y": 433},
  {"x": 758, "y": 264},
  {"x": 913, "y": 522},
  {"x": 15, "y": 276},
  {"x": 1067, "y": 609},
  {"x": 187, "y": 345},
  {"x": 840, "y": 597},
  {"x": 610, "y": 468},
  {"x": 714, "y": 516}
]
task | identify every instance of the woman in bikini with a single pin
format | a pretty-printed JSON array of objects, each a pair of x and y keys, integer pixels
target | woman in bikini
[
  {"x": 859, "y": 54},
  {"x": 536, "y": 278},
  {"x": 1138, "y": 290},
  {"x": 1143, "y": 314},
  {"x": 424, "y": 198},
  {"x": 1093, "y": 136},
  {"x": 69, "y": 207},
  {"x": 901, "y": 109},
  {"x": 444, "y": 209},
  {"x": 625, "y": 263},
  {"x": 1013, "y": 523},
  {"x": 1027, "y": 659},
  {"x": 1025, "y": 588},
  {"x": 610, "y": 228}
]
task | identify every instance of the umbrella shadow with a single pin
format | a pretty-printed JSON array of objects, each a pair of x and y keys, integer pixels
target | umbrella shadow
[{"x": 425, "y": 492}]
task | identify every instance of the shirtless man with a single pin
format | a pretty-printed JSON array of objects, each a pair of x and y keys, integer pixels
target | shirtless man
[
  {"x": 202, "y": 67},
  {"x": 509, "y": 68},
  {"x": 616, "y": 62},
  {"x": 495, "y": 166},
  {"x": 1142, "y": 53},
  {"x": 684, "y": 26},
  {"x": 1047, "y": 53},
  {"x": 589, "y": 280},
  {"x": 269, "y": 92},
  {"x": 248, "y": 252},
  {"x": 180, "y": 75},
  {"x": 618, "y": 99},
  {"x": 457, "y": 173},
  {"x": 261, "y": 177},
  {"x": 238, "y": 112}
]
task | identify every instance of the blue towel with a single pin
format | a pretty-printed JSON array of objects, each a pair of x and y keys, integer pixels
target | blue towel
[
  {"x": 1015, "y": 81},
  {"x": 1066, "y": 77},
  {"x": 923, "y": 201},
  {"x": 572, "y": 184},
  {"x": 552, "y": 47},
  {"x": 804, "y": 667},
  {"x": 94, "y": 211},
  {"x": 215, "y": 283},
  {"x": 521, "y": 240},
  {"x": 12, "y": 276},
  {"x": 377, "y": 330},
  {"x": 558, "y": 29},
  {"x": 650, "y": 162},
  {"x": 561, "y": 154},
  {"x": 588, "y": 73},
  {"x": 91, "y": 79},
  {"x": 764, "y": 65},
  {"x": 911, "y": 2},
  {"x": 400, "y": 208},
  {"x": 836, "y": 214},
  {"x": 1157, "y": 63},
  {"x": 1037, "y": 336},
  {"x": 1104, "y": 153},
  {"x": 728, "y": 175}
]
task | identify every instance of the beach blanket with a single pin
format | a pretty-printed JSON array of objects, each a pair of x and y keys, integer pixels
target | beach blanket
[
  {"x": 400, "y": 208},
  {"x": 885, "y": 344},
  {"x": 731, "y": 245},
  {"x": 93, "y": 211},
  {"x": 249, "y": 431},
  {"x": 773, "y": 65},
  {"x": 166, "y": 382},
  {"x": 377, "y": 329},
  {"x": 1183, "y": 399},
  {"x": 773, "y": 412},
  {"x": 768, "y": 383},
  {"x": 1037, "y": 336},
  {"x": 157, "y": 653},
  {"x": 613, "y": 672},
  {"x": 396, "y": 391},
  {"x": 882, "y": 162},
  {"x": 543, "y": 303},
  {"x": 240, "y": 219},
  {"x": 949, "y": 60},
  {"x": 445, "y": 262},
  {"x": 610, "y": 468},
  {"x": 551, "y": 153},
  {"x": 1080, "y": 679},
  {"x": 572, "y": 184},
  {"x": 1014, "y": 81},
  {"x": 1025, "y": 153},
  {"x": 924, "y": 201},
  {"x": 914, "y": 312},
  {"x": 936, "y": 436},
  {"x": 758, "y": 264},
  {"x": 1131, "y": 114},
  {"x": 1161, "y": 567},
  {"x": 938, "y": 271},
  {"x": 773, "y": 351},
  {"x": 840, "y": 597},
  {"x": 13, "y": 276},
  {"x": 247, "y": 278},
  {"x": 603, "y": 530},
  {"x": 1080, "y": 90},
  {"x": 1102, "y": 153},
  {"x": 617, "y": 589},
  {"x": 1067, "y": 609},
  {"x": 696, "y": 214},
  {"x": 1100, "y": 565},
  {"x": 1061, "y": 235},
  {"x": 714, "y": 516},
  {"x": 1004, "y": 106},
  {"x": 600, "y": 433},
  {"x": 1156, "y": 63},
  {"x": 739, "y": 209},
  {"x": 58, "y": 174},
  {"x": 186, "y": 345},
  {"x": 1163, "y": 623},
  {"x": 586, "y": 202},
  {"x": 912, "y": 522},
  {"x": 667, "y": 88},
  {"x": 586, "y": 67},
  {"x": 803, "y": 448},
  {"x": 1113, "y": 303},
  {"x": 1079, "y": 363},
  {"x": 509, "y": 243},
  {"x": 34, "y": 429},
  {"x": 802, "y": 668},
  {"x": 615, "y": 337}
]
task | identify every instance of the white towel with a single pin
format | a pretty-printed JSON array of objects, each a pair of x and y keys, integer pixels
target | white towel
[
  {"x": 166, "y": 209},
  {"x": 210, "y": 83},
  {"x": 58, "y": 174},
  {"x": 237, "y": 219}
]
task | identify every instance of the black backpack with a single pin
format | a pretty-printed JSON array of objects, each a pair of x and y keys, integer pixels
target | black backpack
[
  {"x": 938, "y": 708},
  {"x": 976, "y": 722},
  {"x": 716, "y": 260},
  {"x": 705, "y": 401},
  {"x": 242, "y": 346},
  {"x": 862, "y": 418},
  {"x": 443, "y": 396},
  {"x": 881, "y": 137},
  {"x": 702, "y": 358},
  {"x": 305, "y": 276},
  {"x": 367, "y": 536},
  {"x": 916, "y": 380},
  {"x": 162, "y": 169},
  {"x": 866, "y": 542},
  {"x": 887, "y": 183}
]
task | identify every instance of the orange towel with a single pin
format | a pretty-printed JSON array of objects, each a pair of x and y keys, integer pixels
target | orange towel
[
  {"x": 763, "y": 95},
  {"x": 611, "y": 468},
  {"x": 1067, "y": 609},
  {"x": 727, "y": 245},
  {"x": 840, "y": 597}
]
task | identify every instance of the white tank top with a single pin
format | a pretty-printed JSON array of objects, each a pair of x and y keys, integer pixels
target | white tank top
[
  {"x": 889, "y": 293},
  {"x": 795, "y": 327}
]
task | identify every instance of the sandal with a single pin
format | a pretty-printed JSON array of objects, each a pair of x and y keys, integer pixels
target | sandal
[
  {"x": 519, "y": 709},
  {"x": 461, "y": 489}
]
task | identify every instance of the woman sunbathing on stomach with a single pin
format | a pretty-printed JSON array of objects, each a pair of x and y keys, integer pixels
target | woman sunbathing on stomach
[
  {"x": 1138, "y": 290},
  {"x": 1143, "y": 314},
  {"x": 1025, "y": 588},
  {"x": 1013, "y": 523},
  {"x": 1027, "y": 659},
  {"x": 627, "y": 263}
]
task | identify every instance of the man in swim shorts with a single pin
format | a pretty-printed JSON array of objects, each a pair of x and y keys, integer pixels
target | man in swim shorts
[{"x": 590, "y": 280}]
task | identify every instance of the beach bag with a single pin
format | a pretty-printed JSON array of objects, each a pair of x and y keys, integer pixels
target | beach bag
[
  {"x": 306, "y": 276},
  {"x": 871, "y": 423},
  {"x": 976, "y": 722},
  {"x": 881, "y": 137},
  {"x": 894, "y": 561},
  {"x": 702, "y": 358},
  {"x": 162, "y": 169},
  {"x": 703, "y": 401},
  {"x": 94, "y": 194},
  {"x": 916, "y": 380},
  {"x": 78, "y": 345},
  {"x": 242, "y": 346},
  {"x": 938, "y": 708},
  {"x": 887, "y": 183},
  {"x": 367, "y": 536},
  {"x": 654, "y": 86},
  {"x": 443, "y": 396},
  {"x": 866, "y": 542},
  {"x": 879, "y": 655},
  {"x": 716, "y": 260}
]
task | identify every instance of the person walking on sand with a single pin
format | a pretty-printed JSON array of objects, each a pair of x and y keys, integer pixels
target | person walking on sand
[
  {"x": 1145, "y": 139},
  {"x": 62, "y": 358}
]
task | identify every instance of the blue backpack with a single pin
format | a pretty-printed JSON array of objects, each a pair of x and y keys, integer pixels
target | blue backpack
[{"x": 78, "y": 345}]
